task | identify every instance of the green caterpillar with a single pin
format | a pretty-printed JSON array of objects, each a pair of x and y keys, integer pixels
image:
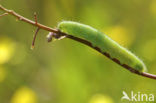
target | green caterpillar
[{"x": 102, "y": 43}]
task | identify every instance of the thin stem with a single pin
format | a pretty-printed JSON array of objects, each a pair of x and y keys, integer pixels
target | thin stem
[
  {"x": 35, "y": 16},
  {"x": 34, "y": 38},
  {"x": 3, "y": 14},
  {"x": 11, "y": 12},
  {"x": 148, "y": 75}
]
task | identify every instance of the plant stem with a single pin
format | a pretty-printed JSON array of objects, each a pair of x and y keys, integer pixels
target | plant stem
[{"x": 11, "y": 12}]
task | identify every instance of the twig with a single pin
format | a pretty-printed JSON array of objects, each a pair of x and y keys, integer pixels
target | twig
[
  {"x": 34, "y": 38},
  {"x": 35, "y": 16},
  {"x": 11, "y": 12},
  {"x": 3, "y": 14}
]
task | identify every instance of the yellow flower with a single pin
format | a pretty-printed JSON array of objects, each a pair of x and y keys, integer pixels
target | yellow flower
[
  {"x": 99, "y": 98},
  {"x": 153, "y": 7},
  {"x": 120, "y": 35},
  {"x": 6, "y": 50},
  {"x": 24, "y": 95}
]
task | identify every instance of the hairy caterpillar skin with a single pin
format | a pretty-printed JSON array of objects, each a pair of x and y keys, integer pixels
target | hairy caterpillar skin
[{"x": 102, "y": 43}]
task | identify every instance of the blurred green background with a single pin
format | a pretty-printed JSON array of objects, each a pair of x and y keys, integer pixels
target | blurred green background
[{"x": 66, "y": 71}]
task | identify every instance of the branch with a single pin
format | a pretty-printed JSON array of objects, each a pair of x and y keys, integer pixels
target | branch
[
  {"x": 59, "y": 34},
  {"x": 11, "y": 12},
  {"x": 34, "y": 38},
  {"x": 3, "y": 14}
]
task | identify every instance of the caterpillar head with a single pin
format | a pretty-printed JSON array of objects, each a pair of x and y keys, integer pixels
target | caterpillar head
[{"x": 52, "y": 35}]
